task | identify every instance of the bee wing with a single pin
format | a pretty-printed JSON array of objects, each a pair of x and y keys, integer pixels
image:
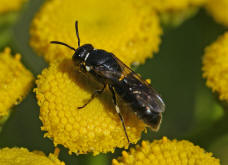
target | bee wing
[
  {"x": 148, "y": 97},
  {"x": 144, "y": 93}
]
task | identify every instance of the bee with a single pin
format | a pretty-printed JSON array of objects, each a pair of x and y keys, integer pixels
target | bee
[{"x": 110, "y": 71}]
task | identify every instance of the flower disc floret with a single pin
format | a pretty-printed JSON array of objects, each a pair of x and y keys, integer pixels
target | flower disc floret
[
  {"x": 95, "y": 128},
  {"x": 166, "y": 152}
]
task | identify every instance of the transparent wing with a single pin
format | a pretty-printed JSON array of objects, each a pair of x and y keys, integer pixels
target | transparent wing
[{"x": 134, "y": 84}]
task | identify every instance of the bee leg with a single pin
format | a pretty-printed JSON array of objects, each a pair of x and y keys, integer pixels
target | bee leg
[
  {"x": 95, "y": 94},
  {"x": 118, "y": 111}
]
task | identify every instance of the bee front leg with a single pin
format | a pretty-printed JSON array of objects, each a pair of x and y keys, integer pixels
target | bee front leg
[
  {"x": 118, "y": 111},
  {"x": 95, "y": 94}
]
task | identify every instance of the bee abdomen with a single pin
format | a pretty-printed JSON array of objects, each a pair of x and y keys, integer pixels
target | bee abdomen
[
  {"x": 151, "y": 118},
  {"x": 147, "y": 115}
]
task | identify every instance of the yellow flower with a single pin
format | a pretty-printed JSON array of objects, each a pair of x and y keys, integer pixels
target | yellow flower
[
  {"x": 215, "y": 66},
  {"x": 166, "y": 152},
  {"x": 131, "y": 33},
  {"x": 174, "y": 5},
  {"x": 21, "y": 156},
  {"x": 219, "y": 10},
  {"x": 6, "y": 5},
  {"x": 174, "y": 12},
  {"x": 15, "y": 81},
  {"x": 95, "y": 128}
]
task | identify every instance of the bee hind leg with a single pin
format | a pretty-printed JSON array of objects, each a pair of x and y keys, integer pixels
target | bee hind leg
[{"x": 118, "y": 111}]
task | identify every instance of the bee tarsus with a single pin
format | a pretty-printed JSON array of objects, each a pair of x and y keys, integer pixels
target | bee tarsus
[{"x": 95, "y": 94}]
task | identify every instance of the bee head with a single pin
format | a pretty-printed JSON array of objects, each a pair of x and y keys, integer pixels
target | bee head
[{"x": 82, "y": 53}]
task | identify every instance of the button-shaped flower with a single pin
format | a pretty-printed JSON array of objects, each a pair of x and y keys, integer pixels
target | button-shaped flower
[
  {"x": 95, "y": 128},
  {"x": 174, "y": 5},
  {"x": 215, "y": 66},
  {"x": 15, "y": 81},
  {"x": 219, "y": 10},
  {"x": 21, "y": 156},
  {"x": 166, "y": 152},
  {"x": 174, "y": 12},
  {"x": 130, "y": 32}
]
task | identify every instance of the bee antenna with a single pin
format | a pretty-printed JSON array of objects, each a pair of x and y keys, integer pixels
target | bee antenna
[
  {"x": 77, "y": 33},
  {"x": 61, "y": 43}
]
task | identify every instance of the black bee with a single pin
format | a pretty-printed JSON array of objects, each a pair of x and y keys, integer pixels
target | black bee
[{"x": 107, "y": 69}]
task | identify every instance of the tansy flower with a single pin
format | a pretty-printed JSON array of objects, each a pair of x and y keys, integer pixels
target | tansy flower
[
  {"x": 131, "y": 33},
  {"x": 95, "y": 128},
  {"x": 7, "y": 5},
  {"x": 15, "y": 81},
  {"x": 174, "y": 5},
  {"x": 215, "y": 66},
  {"x": 174, "y": 12},
  {"x": 21, "y": 156},
  {"x": 166, "y": 152},
  {"x": 219, "y": 10}
]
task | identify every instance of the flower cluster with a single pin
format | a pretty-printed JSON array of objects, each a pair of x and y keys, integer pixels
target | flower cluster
[
  {"x": 15, "y": 81},
  {"x": 131, "y": 30},
  {"x": 131, "y": 33},
  {"x": 21, "y": 156},
  {"x": 166, "y": 152}
]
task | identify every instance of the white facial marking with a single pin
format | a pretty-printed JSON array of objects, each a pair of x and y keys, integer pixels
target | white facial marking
[
  {"x": 87, "y": 55},
  {"x": 117, "y": 109},
  {"x": 136, "y": 92},
  {"x": 88, "y": 68}
]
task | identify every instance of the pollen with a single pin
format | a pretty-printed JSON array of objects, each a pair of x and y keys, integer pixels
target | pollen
[
  {"x": 132, "y": 33},
  {"x": 15, "y": 81},
  {"x": 95, "y": 128},
  {"x": 7, "y": 5},
  {"x": 219, "y": 11},
  {"x": 166, "y": 152},
  {"x": 215, "y": 66},
  {"x": 21, "y": 156}
]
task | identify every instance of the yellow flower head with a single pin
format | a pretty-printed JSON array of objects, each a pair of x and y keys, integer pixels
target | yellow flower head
[
  {"x": 21, "y": 156},
  {"x": 166, "y": 152},
  {"x": 219, "y": 10},
  {"x": 174, "y": 12},
  {"x": 215, "y": 66},
  {"x": 7, "y": 5},
  {"x": 174, "y": 5},
  {"x": 131, "y": 33},
  {"x": 15, "y": 81},
  {"x": 95, "y": 128}
]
